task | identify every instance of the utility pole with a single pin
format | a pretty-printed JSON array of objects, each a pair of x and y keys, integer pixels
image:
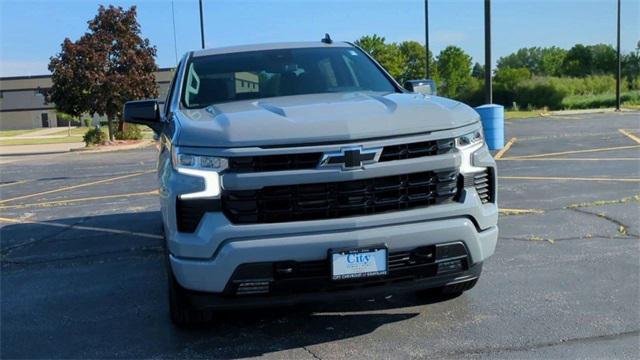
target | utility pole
[
  {"x": 426, "y": 37},
  {"x": 201, "y": 25},
  {"x": 488, "y": 86},
  {"x": 618, "y": 67}
]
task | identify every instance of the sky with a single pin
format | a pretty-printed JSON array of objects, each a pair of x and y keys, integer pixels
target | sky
[{"x": 31, "y": 31}]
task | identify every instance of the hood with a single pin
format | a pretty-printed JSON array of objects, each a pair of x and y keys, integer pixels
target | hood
[{"x": 319, "y": 118}]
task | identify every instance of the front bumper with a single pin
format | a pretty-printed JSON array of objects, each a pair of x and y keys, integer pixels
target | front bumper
[
  {"x": 460, "y": 281},
  {"x": 398, "y": 231}
]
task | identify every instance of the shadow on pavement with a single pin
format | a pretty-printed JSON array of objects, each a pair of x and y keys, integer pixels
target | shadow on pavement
[
  {"x": 78, "y": 293},
  {"x": 65, "y": 239}
]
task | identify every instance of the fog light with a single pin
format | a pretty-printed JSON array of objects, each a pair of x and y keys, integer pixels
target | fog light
[{"x": 451, "y": 266}]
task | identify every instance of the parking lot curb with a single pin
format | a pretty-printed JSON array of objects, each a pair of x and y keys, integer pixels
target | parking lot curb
[
  {"x": 588, "y": 111},
  {"x": 93, "y": 150}
]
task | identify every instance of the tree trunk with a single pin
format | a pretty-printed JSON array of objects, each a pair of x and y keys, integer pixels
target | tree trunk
[
  {"x": 110, "y": 127},
  {"x": 122, "y": 126}
]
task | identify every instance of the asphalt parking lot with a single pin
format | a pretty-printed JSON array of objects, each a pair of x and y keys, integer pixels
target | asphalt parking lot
[{"x": 82, "y": 264}]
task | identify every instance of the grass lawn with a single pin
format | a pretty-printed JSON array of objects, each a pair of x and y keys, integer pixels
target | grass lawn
[
  {"x": 80, "y": 131},
  {"x": 9, "y": 133},
  {"x": 75, "y": 131},
  {"x": 62, "y": 136},
  {"x": 510, "y": 114},
  {"x": 66, "y": 139}
]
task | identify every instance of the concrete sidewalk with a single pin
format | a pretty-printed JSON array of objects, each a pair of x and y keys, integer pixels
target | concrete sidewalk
[{"x": 15, "y": 150}]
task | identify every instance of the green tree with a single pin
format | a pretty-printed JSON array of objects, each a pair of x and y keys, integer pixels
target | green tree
[
  {"x": 509, "y": 79},
  {"x": 508, "y": 83},
  {"x": 604, "y": 59},
  {"x": 578, "y": 62},
  {"x": 109, "y": 65},
  {"x": 388, "y": 55},
  {"x": 551, "y": 61},
  {"x": 478, "y": 71},
  {"x": 454, "y": 71},
  {"x": 631, "y": 68},
  {"x": 529, "y": 58},
  {"x": 538, "y": 60},
  {"x": 414, "y": 56}
]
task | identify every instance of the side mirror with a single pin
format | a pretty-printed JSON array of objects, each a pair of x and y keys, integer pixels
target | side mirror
[
  {"x": 424, "y": 87},
  {"x": 145, "y": 112}
]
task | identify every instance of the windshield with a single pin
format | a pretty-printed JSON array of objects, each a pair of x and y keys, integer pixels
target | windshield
[{"x": 262, "y": 74}]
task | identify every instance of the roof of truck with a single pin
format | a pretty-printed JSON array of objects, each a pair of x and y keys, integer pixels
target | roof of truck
[{"x": 268, "y": 46}]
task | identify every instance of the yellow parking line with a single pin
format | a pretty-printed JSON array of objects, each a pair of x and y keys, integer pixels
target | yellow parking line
[
  {"x": 505, "y": 148},
  {"x": 15, "y": 183},
  {"x": 79, "y": 227},
  {"x": 68, "y": 201},
  {"x": 76, "y": 186},
  {"x": 630, "y": 135},
  {"x": 571, "y": 159},
  {"x": 507, "y": 211},
  {"x": 574, "y": 152},
  {"x": 567, "y": 178}
]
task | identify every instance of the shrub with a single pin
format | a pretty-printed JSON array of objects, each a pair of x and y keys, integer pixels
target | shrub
[
  {"x": 87, "y": 122},
  {"x": 538, "y": 94},
  {"x": 513, "y": 87},
  {"x": 131, "y": 132},
  {"x": 473, "y": 93},
  {"x": 599, "y": 101},
  {"x": 95, "y": 137}
]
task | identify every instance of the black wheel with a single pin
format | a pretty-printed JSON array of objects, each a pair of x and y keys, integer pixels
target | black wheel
[
  {"x": 180, "y": 309},
  {"x": 182, "y": 313}
]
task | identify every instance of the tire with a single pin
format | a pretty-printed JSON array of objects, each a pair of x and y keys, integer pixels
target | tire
[
  {"x": 180, "y": 309},
  {"x": 182, "y": 313}
]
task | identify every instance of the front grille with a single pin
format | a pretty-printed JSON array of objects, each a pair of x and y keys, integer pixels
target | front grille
[
  {"x": 339, "y": 199},
  {"x": 416, "y": 150},
  {"x": 311, "y": 160},
  {"x": 483, "y": 183},
  {"x": 274, "y": 162}
]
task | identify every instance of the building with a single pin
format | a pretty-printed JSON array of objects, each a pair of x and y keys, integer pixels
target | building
[{"x": 22, "y": 103}]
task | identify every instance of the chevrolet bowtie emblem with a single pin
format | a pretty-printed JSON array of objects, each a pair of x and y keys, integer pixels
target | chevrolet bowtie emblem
[{"x": 351, "y": 158}]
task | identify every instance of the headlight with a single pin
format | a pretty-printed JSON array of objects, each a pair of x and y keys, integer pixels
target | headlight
[
  {"x": 467, "y": 144},
  {"x": 206, "y": 167}
]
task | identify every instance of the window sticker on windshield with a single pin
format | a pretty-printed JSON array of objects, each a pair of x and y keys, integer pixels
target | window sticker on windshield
[{"x": 353, "y": 53}]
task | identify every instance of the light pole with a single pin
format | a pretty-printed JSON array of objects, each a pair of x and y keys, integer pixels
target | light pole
[
  {"x": 488, "y": 86},
  {"x": 201, "y": 25},
  {"x": 426, "y": 37},
  {"x": 618, "y": 67}
]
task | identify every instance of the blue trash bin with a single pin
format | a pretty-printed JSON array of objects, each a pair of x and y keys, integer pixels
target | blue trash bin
[{"x": 492, "y": 117}]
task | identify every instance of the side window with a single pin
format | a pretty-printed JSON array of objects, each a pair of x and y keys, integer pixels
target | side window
[{"x": 192, "y": 87}]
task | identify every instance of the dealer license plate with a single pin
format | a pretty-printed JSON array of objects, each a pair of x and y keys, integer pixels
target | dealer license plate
[{"x": 358, "y": 263}]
